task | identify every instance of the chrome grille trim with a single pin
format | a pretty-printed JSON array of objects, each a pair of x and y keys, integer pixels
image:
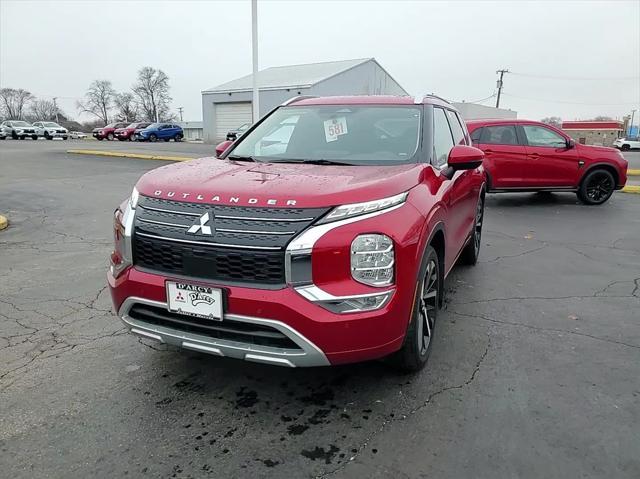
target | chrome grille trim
[{"x": 206, "y": 243}]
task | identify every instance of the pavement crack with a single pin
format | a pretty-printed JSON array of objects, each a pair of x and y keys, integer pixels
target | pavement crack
[{"x": 411, "y": 412}]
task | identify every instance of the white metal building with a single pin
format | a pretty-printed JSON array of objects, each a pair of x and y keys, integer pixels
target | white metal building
[
  {"x": 473, "y": 111},
  {"x": 192, "y": 130},
  {"x": 228, "y": 106}
]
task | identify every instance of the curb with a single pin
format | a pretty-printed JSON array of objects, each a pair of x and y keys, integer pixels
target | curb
[
  {"x": 633, "y": 172},
  {"x": 4, "y": 222},
  {"x": 631, "y": 189},
  {"x": 137, "y": 156}
]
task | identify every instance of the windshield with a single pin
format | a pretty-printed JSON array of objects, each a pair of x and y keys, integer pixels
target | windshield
[
  {"x": 51, "y": 124},
  {"x": 357, "y": 135},
  {"x": 19, "y": 123}
]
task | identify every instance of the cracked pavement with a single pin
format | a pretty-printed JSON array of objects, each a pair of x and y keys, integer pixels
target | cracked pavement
[{"x": 534, "y": 370}]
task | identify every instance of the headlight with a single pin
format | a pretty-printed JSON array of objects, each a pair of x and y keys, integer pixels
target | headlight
[
  {"x": 133, "y": 199},
  {"x": 356, "y": 209},
  {"x": 18, "y": 130},
  {"x": 121, "y": 258},
  {"x": 372, "y": 259}
]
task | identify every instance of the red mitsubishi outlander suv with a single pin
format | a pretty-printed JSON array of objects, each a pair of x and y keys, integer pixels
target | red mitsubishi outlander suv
[
  {"x": 322, "y": 236},
  {"x": 522, "y": 155}
]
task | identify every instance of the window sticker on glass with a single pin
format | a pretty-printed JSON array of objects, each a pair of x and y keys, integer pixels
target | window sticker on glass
[{"x": 334, "y": 128}]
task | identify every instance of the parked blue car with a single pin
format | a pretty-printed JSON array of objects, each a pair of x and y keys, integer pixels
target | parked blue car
[{"x": 160, "y": 131}]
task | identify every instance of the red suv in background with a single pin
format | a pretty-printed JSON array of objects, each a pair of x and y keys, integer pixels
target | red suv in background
[
  {"x": 522, "y": 155},
  {"x": 126, "y": 133},
  {"x": 107, "y": 132},
  {"x": 322, "y": 236}
]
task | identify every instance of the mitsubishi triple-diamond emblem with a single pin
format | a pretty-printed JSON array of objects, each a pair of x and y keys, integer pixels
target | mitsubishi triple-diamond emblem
[{"x": 201, "y": 225}]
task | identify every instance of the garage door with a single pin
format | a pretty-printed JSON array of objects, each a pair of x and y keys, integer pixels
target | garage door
[{"x": 229, "y": 116}]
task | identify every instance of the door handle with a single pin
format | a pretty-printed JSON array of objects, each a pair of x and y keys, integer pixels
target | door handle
[
  {"x": 534, "y": 156},
  {"x": 488, "y": 152}
]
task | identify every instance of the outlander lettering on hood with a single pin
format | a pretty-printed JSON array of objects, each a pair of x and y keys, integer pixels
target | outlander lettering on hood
[{"x": 322, "y": 236}]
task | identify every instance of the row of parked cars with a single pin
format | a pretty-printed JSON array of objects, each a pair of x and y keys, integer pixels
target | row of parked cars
[
  {"x": 140, "y": 131},
  {"x": 18, "y": 129}
]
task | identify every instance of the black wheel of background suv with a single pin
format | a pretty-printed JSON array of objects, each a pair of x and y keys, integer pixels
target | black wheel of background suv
[
  {"x": 110, "y": 137},
  {"x": 596, "y": 187},
  {"x": 34, "y": 137},
  {"x": 23, "y": 137},
  {"x": 47, "y": 135},
  {"x": 177, "y": 138},
  {"x": 418, "y": 341},
  {"x": 625, "y": 147},
  {"x": 472, "y": 250},
  {"x": 153, "y": 137},
  {"x": 14, "y": 135}
]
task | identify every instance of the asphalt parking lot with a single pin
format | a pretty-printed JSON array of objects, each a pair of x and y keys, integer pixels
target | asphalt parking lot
[{"x": 534, "y": 372}]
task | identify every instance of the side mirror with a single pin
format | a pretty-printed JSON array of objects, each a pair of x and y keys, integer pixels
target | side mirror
[
  {"x": 571, "y": 143},
  {"x": 222, "y": 147},
  {"x": 463, "y": 157}
]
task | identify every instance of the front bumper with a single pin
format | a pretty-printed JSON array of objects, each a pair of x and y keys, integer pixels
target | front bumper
[{"x": 57, "y": 134}]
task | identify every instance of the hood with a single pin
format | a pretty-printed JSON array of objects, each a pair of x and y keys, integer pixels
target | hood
[
  {"x": 600, "y": 149},
  {"x": 214, "y": 181}
]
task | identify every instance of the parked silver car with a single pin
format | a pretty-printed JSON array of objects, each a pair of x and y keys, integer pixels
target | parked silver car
[
  {"x": 50, "y": 130},
  {"x": 18, "y": 129}
]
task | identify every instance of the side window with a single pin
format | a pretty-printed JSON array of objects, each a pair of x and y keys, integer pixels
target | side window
[
  {"x": 540, "y": 136},
  {"x": 475, "y": 135},
  {"x": 499, "y": 135},
  {"x": 456, "y": 128},
  {"x": 442, "y": 139}
]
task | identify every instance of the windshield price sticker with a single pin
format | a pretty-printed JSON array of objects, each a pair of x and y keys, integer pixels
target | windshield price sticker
[{"x": 334, "y": 128}]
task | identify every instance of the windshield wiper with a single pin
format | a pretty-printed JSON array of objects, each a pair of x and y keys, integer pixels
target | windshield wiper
[
  {"x": 313, "y": 162},
  {"x": 240, "y": 158}
]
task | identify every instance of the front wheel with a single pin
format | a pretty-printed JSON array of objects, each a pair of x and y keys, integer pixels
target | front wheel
[
  {"x": 153, "y": 137},
  {"x": 625, "y": 147},
  {"x": 23, "y": 137},
  {"x": 419, "y": 338},
  {"x": 65, "y": 137},
  {"x": 34, "y": 137},
  {"x": 110, "y": 137},
  {"x": 177, "y": 138},
  {"x": 596, "y": 187},
  {"x": 471, "y": 252}
]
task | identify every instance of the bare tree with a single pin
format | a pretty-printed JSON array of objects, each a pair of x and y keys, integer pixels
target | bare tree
[
  {"x": 43, "y": 110},
  {"x": 553, "y": 121},
  {"x": 126, "y": 106},
  {"x": 602, "y": 118},
  {"x": 152, "y": 94},
  {"x": 13, "y": 102},
  {"x": 98, "y": 100}
]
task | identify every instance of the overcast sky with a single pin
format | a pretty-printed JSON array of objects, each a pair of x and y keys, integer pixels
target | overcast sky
[{"x": 573, "y": 59}]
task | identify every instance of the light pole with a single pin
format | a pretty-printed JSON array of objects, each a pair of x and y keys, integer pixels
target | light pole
[
  {"x": 254, "y": 50},
  {"x": 633, "y": 112}
]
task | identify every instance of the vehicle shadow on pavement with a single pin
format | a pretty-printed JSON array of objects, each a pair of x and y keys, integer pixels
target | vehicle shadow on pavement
[{"x": 532, "y": 199}]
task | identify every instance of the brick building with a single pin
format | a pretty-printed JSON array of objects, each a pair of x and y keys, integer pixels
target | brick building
[{"x": 602, "y": 133}]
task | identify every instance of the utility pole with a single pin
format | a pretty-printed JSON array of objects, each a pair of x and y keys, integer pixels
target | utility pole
[
  {"x": 55, "y": 105},
  {"x": 499, "y": 85},
  {"x": 254, "y": 49},
  {"x": 180, "y": 111},
  {"x": 633, "y": 113}
]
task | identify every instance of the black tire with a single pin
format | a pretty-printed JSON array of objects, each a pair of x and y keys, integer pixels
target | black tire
[
  {"x": 34, "y": 137},
  {"x": 471, "y": 251},
  {"x": 110, "y": 137},
  {"x": 625, "y": 147},
  {"x": 99, "y": 138},
  {"x": 14, "y": 135},
  {"x": 23, "y": 137},
  {"x": 3, "y": 137},
  {"x": 418, "y": 340},
  {"x": 596, "y": 187},
  {"x": 167, "y": 140},
  {"x": 153, "y": 137},
  {"x": 47, "y": 136},
  {"x": 121, "y": 139},
  {"x": 177, "y": 138},
  {"x": 65, "y": 137}
]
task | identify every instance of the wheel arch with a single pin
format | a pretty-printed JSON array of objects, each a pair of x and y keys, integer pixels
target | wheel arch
[{"x": 601, "y": 166}]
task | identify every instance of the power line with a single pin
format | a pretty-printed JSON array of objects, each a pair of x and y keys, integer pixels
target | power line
[
  {"x": 483, "y": 99},
  {"x": 552, "y": 77},
  {"x": 570, "y": 102}
]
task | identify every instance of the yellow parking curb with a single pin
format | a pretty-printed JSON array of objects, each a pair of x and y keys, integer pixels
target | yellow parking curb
[
  {"x": 632, "y": 189},
  {"x": 124, "y": 154},
  {"x": 4, "y": 222},
  {"x": 633, "y": 172}
]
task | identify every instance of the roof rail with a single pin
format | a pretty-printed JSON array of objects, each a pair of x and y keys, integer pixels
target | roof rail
[
  {"x": 297, "y": 98},
  {"x": 420, "y": 98}
]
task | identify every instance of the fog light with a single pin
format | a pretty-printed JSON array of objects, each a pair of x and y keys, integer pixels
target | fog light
[
  {"x": 357, "y": 305},
  {"x": 372, "y": 259}
]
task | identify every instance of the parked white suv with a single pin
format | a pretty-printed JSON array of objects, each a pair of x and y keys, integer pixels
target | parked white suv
[
  {"x": 50, "y": 130},
  {"x": 629, "y": 143}
]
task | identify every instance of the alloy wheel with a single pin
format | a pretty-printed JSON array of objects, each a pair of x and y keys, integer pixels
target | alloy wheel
[
  {"x": 477, "y": 234},
  {"x": 599, "y": 187},
  {"x": 427, "y": 306}
]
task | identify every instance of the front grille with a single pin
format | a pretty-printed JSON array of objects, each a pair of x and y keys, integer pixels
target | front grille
[
  {"x": 240, "y": 244},
  {"x": 230, "y": 330}
]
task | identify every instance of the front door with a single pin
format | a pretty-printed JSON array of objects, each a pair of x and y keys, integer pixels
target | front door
[{"x": 550, "y": 162}]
